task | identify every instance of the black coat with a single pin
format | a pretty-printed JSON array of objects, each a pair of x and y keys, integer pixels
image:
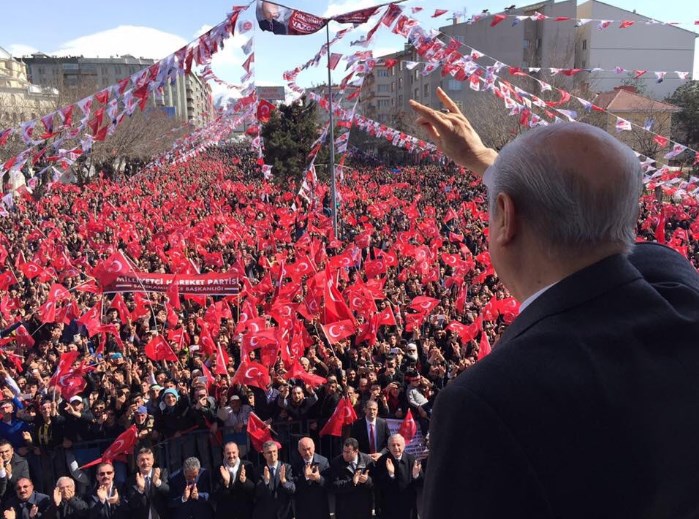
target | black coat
[
  {"x": 274, "y": 500},
  {"x": 360, "y": 433},
  {"x": 201, "y": 508},
  {"x": 398, "y": 494},
  {"x": 153, "y": 502},
  {"x": 74, "y": 508},
  {"x": 586, "y": 407},
  {"x": 351, "y": 501},
  {"x": 237, "y": 500},
  {"x": 311, "y": 498},
  {"x": 99, "y": 510},
  {"x": 46, "y": 508}
]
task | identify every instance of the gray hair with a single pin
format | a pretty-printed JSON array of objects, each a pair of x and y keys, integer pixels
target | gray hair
[
  {"x": 566, "y": 212},
  {"x": 191, "y": 464}
]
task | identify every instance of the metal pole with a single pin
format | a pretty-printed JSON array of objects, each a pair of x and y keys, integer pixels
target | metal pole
[{"x": 333, "y": 194}]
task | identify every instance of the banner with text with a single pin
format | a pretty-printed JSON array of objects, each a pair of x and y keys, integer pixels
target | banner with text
[{"x": 219, "y": 284}]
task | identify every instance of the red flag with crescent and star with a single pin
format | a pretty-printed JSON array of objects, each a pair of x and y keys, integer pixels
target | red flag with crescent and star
[
  {"x": 252, "y": 374},
  {"x": 122, "y": 446},
  {"x": 344, "y": 414}
]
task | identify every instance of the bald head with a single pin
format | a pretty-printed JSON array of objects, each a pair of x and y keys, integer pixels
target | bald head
[
  {"x": 306, "y": 448},
  {"x": 575, "y": 186}
]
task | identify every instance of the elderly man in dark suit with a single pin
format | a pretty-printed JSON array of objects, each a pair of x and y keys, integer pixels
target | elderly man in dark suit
[
  {"x": 68, "y": 504},
  {"x": 310, "y": 478},
  {"x": 587, "y": 405},
  {"x": 190, "y": 492},
  {"x": 352, "y": 483},
  {"x": 371, "y": 431},
  {"x": 235, "y": 492},
  {"x": 397, "y": 475},
  {"x": 28, "y": 504},
  {"x": 13, "y": 467},
  {"x": 275, "y": 486},
  {"x": 147, "y": 490}
]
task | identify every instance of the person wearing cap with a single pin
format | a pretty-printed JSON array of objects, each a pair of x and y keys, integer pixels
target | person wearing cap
[
  {"x": 173, "y": 417},
  {"x": 144, "y": 423}
]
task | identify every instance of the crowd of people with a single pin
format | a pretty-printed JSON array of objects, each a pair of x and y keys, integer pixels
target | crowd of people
[{"x": 414, "y": 279}]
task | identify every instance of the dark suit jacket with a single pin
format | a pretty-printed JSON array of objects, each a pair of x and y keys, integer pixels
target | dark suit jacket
[
  {"x": 360, "y": 433},
  {"x": 152, "y": 502},
  {"x": 351, "y": 502},
  {"x": 74, "y": 508},
  {"x": 44, "y": 503},
  {"x": 311, "y": 498},
  {"x": 398, "y": 494},
  {"x": 20, "y": 469},
  {"x": 236, "y": 501},
  {"x": 99, "y": 510},
  {"x": 273, "y": 500},
  {"x": 201, "y": 508},
  {"x": 587, "y": 406}
]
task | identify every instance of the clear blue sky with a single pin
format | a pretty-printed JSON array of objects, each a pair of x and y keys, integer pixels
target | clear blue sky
[{"x": 154, "y": 28}]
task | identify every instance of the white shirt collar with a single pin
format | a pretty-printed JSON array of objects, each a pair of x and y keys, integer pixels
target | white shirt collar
[{"x": 533, "y": 297}]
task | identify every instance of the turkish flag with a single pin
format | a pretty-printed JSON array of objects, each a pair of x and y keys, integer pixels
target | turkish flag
[
  {"x": 208, "y": 345},
  {"x": 23, "y": 338},
  {"x": 251, "y": 373},
  {"x": 222, "y": 361},
  {"x": 344, "y": 414},
  {"x": 58, "y": 293},
  {"x": 158, "y": 349},
  {"x": 484, "y": 346},
  {"x": 119, "y": 304},
  {"x": 424, "y": 304},
  {"x": 298, "y": 373},
  {"x": 173, "y": 294},
  {"x": 107, "y": 271},
  {"x": 408, "y": 428},
  {"x": 259, "y": 432},
  {"x": 337, "y": 331},
  {"x": 47, "y": 312},
  {"x": 122, "y": 446},
  {"x": 660, "y": 229},
  {"x": 31, "y": 269},
  {"x": 264, "y": 111},
  {"x": 65, "y": 364},
  {"x": 91, "y": 319}
]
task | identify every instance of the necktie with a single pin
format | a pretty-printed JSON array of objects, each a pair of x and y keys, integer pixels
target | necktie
[
  {"x": 372, "y": 441},
  {"x": 147, "y": 484},
  {"x": 271, "y": 474}
]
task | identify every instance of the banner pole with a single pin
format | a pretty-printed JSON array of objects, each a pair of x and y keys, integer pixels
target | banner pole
[{"x": 333, "y": 185}]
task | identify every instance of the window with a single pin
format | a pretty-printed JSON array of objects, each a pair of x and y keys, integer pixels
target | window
[
  {"x": 454, "y": 85},
  {"x": 426, "y": 90},
  {"x": 525, "y": 44},
  {"x": 400, "y": 83},
  {"x": 382, "y": 72},
  {"x": 400, "y": 100},
  {"x": 416, "y": 94},
  {"x": 384, "y": 89},
  {"x": 384, "y": 103},
  {"x": 584, "y": 44}
]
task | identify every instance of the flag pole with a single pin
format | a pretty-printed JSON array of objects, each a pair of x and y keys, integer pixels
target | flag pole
[{"x": 333, "y": 185}]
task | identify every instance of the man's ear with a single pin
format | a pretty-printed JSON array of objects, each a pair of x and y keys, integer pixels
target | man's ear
[{"x": 505, "y": 219}]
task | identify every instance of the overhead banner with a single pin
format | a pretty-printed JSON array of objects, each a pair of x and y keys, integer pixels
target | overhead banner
[
  {"x": 225, "y": 284},
  {"x": 280, "y": 19}
]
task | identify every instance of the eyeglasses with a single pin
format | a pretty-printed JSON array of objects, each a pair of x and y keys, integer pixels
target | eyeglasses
[{"x": 105, "y": 473}]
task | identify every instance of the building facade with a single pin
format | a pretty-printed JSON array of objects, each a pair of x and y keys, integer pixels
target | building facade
[
  {"x": 187, "y": 98},
  {"x": 20, "y": 100},
  {"x": 540, "y": 44}
]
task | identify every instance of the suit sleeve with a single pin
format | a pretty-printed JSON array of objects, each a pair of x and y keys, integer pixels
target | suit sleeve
[
  {"x": 474, "y": 456},
  {"x": 660, "y": 264}
]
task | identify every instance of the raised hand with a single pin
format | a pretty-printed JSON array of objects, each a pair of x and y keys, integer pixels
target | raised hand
[
  {"x": 242, "y": 476},
  {"x": 57, "y": 497},
  {"x": 114, "y": 500},
  {"x": 195, "y": 492},
  {"x": 10, "y": 513},
  {"x": 225, "y": 476},
  {"x": 33, "y": 511},
  {"x": 102, "y": 494},
  {"x": 156, "y": 477},
  {"x": 453, "y": 134},
  {"x": 416, "y": 469},
  {"x": 282, "y": 474},
  {"x": 140, "y": 482},
  {"x": 390, "y": 468},
  {"x": 266, "y": 474},
  {"x": 187, "y": 492}
]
